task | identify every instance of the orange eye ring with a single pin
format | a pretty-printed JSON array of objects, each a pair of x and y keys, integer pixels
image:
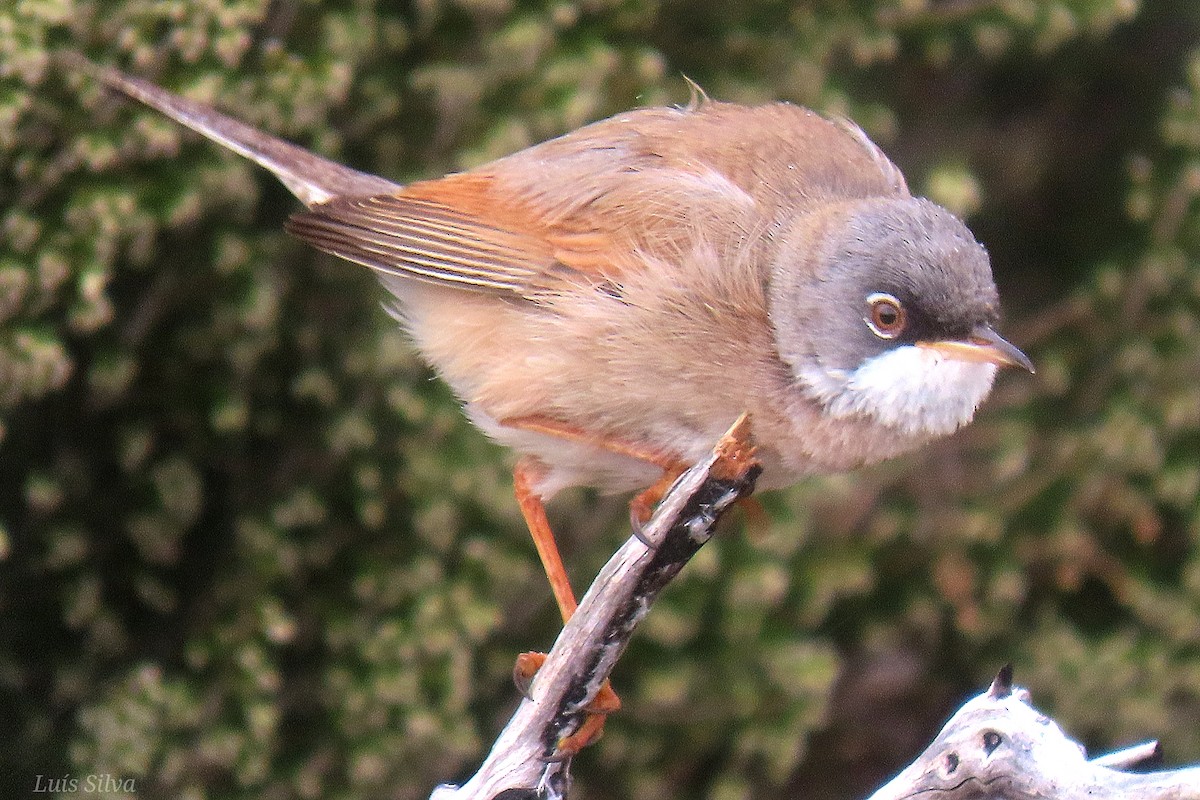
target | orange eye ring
[{"x": 887, "y": 318}]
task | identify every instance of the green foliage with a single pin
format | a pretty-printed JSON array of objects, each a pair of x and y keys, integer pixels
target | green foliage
[{"x": 249, "y": 549}]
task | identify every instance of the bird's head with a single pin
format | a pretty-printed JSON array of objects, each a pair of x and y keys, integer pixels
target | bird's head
[{"x": 886, "y": 309}]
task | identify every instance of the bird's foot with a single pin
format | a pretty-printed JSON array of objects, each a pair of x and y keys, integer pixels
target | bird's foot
[
  {"x": 641, "y": 508},
  {"x": 595, "y": 713}
]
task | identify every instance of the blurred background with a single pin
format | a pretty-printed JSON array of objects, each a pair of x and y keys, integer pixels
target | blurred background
[{"x": 250, "y": 548}]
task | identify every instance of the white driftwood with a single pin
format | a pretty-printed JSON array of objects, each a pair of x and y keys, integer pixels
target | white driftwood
[
  {"x": 523, "y": 762},
  {"x": 999, "y": 747}
]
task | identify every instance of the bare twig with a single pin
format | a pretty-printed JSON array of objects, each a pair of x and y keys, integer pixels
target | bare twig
[
  {"x": 1139, "y": 755},
  {"x": 998, "y": 746},
  {"x": 523, "y": 762}
]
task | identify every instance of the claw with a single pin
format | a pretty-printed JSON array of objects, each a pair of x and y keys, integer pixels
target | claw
[
  {"x": 641, "y": 508},
  {"x": 637, "y": 523},
  {"x": 524, "y": 670},
  {"x": 604, "y": 703}
]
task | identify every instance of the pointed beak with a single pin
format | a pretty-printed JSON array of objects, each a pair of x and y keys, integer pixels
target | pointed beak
[{"x": 985, "y": 346}]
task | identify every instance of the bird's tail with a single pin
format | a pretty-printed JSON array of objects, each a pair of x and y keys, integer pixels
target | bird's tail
[{"x": 310, "y": 177}]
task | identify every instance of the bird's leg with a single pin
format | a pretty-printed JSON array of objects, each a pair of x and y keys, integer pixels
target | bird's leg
[
  {"x": 562, "y": 430},
  {"x": 605, "y": 702},
  {"x": 525, "y": 477},
  {"x": 642, "y": 506}
]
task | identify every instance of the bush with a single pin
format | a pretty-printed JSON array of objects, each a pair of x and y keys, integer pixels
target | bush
[{"x": 249, "y": 549}]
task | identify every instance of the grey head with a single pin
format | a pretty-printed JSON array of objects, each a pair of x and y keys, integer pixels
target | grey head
[{"x": 886, "y": 309}]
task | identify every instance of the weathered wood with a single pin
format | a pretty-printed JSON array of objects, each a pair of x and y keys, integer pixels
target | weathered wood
[
  {"x": 523, "y": 762},
  {"x": 999, "y": 747}
]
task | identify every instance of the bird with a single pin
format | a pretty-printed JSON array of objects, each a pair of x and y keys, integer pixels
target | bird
[{"x": 606, "y": 303}]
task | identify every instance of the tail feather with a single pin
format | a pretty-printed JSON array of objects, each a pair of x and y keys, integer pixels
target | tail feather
[{"x": 310, "y": 177}]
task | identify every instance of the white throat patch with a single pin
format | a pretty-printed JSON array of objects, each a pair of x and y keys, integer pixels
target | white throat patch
[{"x": 914, "y": 390}]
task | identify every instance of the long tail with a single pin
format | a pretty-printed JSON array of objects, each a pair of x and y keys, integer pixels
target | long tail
[{"x": 310, "y": 177}]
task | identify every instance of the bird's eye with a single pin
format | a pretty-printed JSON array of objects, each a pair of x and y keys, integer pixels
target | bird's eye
[{"x": 887, "y": 318}]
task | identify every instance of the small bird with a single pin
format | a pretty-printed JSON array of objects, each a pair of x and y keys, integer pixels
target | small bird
[{"x": 608, "y": 302}]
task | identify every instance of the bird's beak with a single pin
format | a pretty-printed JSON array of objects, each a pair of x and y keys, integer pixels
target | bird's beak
[{"x": 985, "y": 346}]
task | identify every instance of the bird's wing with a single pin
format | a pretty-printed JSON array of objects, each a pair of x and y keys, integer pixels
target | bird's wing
[
  {"x": 459, "y": 231},
  {"x": 614, "y": 199},
  {"x": 580, "y": 210}
]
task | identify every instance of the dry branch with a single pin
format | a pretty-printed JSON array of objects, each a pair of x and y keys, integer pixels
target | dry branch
[
  {"x": 995, "y": 747},
  {"x": 999, "y": 747},
  {"x": 523, "y": 762}
]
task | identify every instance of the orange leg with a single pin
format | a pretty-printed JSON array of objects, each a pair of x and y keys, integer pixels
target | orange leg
[
  {"x": 562, "y": 430},
  {"x": 642, "y": 506},
  {"x": 604, "y": 703},
  {"x": 525, "y": 476}
]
